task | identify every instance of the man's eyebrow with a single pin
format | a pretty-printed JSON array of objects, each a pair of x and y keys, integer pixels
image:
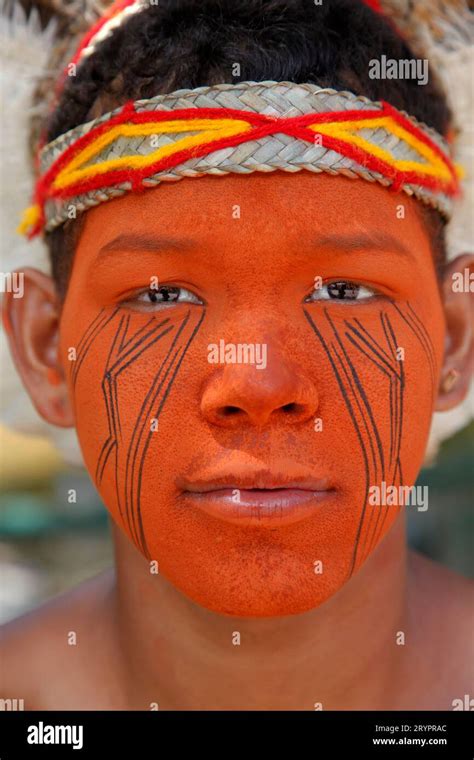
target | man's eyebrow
[
  {"x": 334, "y": 241},
  {"x": 357, "y": 241},
  {"x": 145, "y": 242}
]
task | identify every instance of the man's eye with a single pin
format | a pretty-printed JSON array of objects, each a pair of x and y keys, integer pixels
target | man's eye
[
  {"x": 163, "y": 297},
  {"x": 341, "y": 290}
]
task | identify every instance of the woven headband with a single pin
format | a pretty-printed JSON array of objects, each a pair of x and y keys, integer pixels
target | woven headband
[{"x": 239, "y": 128}]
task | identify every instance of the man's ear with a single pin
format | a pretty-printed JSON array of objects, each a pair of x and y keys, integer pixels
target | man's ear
[
  {"x": 31, "y": 321},
  {"x": 458, "y": 364}
]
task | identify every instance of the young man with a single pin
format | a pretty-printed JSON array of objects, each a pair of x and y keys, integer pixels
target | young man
[{"x": 251, "y": 363}]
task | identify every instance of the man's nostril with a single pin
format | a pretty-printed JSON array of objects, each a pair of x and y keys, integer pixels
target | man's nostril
[{"x": 229, "y": 411}]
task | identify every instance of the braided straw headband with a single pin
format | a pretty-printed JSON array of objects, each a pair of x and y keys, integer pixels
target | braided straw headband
[{"x": 239, "y": 128}]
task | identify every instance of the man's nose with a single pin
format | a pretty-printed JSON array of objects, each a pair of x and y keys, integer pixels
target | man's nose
[{"x": 242, "y": 394}]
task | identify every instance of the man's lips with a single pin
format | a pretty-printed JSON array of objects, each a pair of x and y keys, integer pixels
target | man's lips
[{"x": 258, "y": 498}]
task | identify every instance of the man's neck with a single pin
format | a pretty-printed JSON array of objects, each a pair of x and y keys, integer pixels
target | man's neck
[{"x": 342, "y": 655}]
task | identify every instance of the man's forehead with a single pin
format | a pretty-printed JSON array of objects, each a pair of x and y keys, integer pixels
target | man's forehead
[{"x": 330, "y": 212}]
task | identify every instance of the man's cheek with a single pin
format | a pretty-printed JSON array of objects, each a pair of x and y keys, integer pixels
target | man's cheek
[
  {"x": 385, "y": 367},
  {"x": 122, "y": 374}
]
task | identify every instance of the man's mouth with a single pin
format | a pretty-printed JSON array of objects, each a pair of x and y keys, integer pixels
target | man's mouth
[{"x": 258, "y": 498}]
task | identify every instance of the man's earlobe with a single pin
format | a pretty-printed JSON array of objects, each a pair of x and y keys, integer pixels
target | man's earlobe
[
  {"x": 32, "y": 326},
  {"x": 458, "y": 364}
]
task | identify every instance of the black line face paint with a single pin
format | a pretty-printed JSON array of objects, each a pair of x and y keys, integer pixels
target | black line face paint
[
  {"x": 125, "y": 447},
  {"x": 358, "y": 355}
]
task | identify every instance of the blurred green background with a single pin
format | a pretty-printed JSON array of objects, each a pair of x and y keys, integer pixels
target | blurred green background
[{"x": 48, "y": 545}]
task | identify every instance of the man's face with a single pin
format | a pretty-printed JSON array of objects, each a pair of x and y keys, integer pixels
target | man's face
[{"x": 248, "y": 359}]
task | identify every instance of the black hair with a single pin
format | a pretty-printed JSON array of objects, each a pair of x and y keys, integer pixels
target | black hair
[{"x": 190, "y": 43}]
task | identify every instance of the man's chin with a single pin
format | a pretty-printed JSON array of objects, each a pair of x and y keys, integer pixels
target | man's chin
[{"x": 257, "y": 598}]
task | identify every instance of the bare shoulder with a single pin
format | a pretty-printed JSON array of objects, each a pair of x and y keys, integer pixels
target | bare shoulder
[
  {"x": 48, "y": 656},
  {"x": 443, "y": 616},
  {"x": 453, "y": 592}
]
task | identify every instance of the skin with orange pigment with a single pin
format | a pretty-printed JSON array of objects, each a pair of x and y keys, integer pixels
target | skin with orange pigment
[
  {"x": 53, "y": 376},
  {"x": 151, "y": 412}
]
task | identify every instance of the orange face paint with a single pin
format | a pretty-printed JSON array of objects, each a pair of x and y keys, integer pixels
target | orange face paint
[{"x": 342, "y": 397}]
